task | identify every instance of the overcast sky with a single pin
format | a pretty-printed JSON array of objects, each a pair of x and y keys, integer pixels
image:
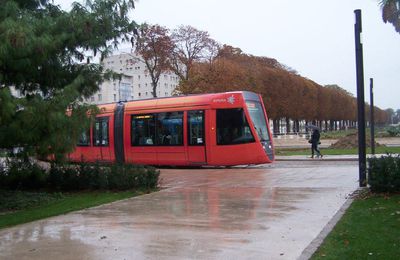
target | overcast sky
[{"x": 314, "y": 37}]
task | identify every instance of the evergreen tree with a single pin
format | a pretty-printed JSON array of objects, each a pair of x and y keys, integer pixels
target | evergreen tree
[
  {"x": 46, "y": 54},
  {"x": 391, "y": 12}
]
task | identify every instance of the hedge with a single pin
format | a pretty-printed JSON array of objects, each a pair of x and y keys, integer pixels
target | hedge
[
  {"x": 19, "y": 175},
  {"x": 384, "y": 174}
]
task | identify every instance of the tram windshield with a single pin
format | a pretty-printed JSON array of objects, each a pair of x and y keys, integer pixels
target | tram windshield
[
  {"x": 232, "y": 127},
  {"x": 257, "y": 116}
]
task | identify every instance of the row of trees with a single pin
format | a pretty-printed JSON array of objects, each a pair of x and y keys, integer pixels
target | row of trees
[
  {"x": 204, "y": 66},
  {"x": 394, "y": 116},
  {"x": 286, "y": 94}
]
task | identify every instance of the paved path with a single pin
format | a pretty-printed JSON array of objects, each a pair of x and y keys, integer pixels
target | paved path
[{"x": 264, "y": 212}]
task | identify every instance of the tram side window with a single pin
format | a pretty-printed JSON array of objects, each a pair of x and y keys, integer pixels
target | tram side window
[
  {"x": 100, "y": 132},
  {"x": 232, "y": 127},
  {"x": 84, "y": 138},
  {"x": 170, "y": 128},
  {"x": 196, "y": 127},
  {"x": 143, "y": 130}
]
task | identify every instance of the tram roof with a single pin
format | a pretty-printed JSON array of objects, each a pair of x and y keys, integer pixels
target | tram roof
[
  {"x": 176, "y": 101},
  {"x": 179, "y": 101}
]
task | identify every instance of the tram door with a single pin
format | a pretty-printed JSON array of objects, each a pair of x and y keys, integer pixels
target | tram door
[
  {"x": 196, "y": 148},
  {"x": 101, "y": 139}
]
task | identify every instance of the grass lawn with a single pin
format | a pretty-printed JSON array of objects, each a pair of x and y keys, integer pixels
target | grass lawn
[
  {"x": 337, "y": 134},
  {"x": 370, "y": 229},
  {"x": 18, "y": 207},
  {"x": 330, "y": 151},
  {"x": 379, "y": 132}
]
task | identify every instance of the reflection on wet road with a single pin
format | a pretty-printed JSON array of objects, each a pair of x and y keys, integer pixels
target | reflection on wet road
[{"x": 268, "y": 211}]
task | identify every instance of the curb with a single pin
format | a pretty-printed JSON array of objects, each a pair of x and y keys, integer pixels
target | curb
[{"x": 315, "y": 160}]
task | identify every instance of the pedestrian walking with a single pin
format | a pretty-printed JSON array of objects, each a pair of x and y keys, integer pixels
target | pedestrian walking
[{"x": 314, "y": 141}]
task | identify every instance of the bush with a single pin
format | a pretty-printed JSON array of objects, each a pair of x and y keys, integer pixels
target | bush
[
  {"x": 74, "y": 177},
  {"x": 24, "y": 175},
  {"x": 384, "y": 174},
  {"x": 84, "y": 176},
  {"x": 94, "y": 176},
  {"x": 394, "y": 131},
  {"x": 71, "y": 177}
]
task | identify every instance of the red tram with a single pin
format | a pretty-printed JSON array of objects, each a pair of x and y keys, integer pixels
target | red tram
[{"x": 222, "y": 129}]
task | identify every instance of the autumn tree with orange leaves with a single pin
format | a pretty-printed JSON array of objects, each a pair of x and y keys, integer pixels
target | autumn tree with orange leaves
[{"x": 286, "y": 94}]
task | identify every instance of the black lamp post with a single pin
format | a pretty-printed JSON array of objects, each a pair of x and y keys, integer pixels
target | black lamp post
[
  {"x": 362, "y": 160},
  {"x": 371, "y": 98}
]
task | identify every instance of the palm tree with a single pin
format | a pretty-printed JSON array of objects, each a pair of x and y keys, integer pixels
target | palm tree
[{"x": 391, "y": 12}]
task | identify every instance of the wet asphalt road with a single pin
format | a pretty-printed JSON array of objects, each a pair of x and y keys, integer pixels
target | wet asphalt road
[{"x": 259, "y": 212}]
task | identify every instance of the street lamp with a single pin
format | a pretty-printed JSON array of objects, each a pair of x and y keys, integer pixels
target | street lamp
[
  {"x": 371, "y": 93},
  {"x": 362, "y": 161}
]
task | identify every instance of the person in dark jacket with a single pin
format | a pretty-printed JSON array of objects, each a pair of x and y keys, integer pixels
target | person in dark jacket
[{"x": 314, "y": 143}]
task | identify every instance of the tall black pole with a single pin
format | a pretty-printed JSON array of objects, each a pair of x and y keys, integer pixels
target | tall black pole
[
  {"x": 362, "y": 161},
  {"x": 371, "y": 99}
]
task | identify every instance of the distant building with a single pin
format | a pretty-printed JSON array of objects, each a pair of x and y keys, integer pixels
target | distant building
[
  {"x": 135, "y": 83},
  {"x": 113, "y": 91}
]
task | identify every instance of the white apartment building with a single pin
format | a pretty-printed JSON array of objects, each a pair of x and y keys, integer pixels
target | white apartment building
[
  {"x": 135, "y": 83},
  {"x": 113, "y": 91}
]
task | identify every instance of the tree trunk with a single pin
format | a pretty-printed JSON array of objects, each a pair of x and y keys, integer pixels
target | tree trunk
[
  {"x": 154, "y": 89},
  {"x": 287, "y": 125},
  {"x": 276, "y": 126},
  {"x": 296, "y": 126}
]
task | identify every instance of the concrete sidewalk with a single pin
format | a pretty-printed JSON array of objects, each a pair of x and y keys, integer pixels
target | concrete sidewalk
[{"x": 273, "y": 211}]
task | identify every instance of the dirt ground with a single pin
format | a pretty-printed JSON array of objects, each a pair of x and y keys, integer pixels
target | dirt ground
[{"x": 350, "y": 141}]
